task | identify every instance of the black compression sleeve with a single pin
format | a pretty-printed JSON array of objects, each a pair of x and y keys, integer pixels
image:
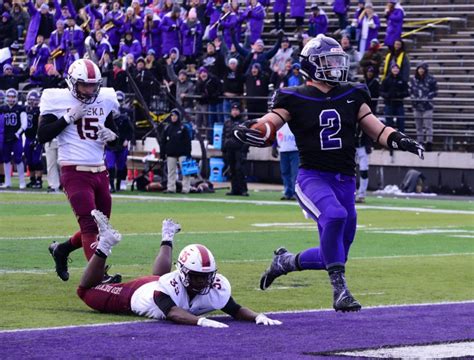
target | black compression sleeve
[
  {"x": 49, "y": 127},
  {"x": 110, "y": 123},
  {"x": 231, "y": 308},
  {"x": 163, "y": 301}
]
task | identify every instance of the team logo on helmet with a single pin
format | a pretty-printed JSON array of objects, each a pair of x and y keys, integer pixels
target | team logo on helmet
[
  {"x": 197, "y": 268},
  {"x": 85, "y": 74},
  {"x": 323, "y": 59}
]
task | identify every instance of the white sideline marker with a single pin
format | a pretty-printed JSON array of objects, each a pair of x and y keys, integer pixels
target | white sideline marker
[{"x": 438, "y": 351}]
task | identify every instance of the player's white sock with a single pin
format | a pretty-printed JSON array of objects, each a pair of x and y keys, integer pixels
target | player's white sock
[
  {"x": 20, "y": 168},
  {"x": 8, "y": 173}
]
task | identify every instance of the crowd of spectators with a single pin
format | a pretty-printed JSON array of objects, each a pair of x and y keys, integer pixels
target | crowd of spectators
[{"x": 210, "y": 55}]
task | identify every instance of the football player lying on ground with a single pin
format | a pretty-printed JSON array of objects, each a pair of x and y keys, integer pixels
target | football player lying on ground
[
  {"x": 325, "y": 115},
  {"x": 180, "y": 296}
]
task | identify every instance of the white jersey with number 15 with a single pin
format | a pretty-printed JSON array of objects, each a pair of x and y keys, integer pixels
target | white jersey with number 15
[{"x": 78, "y": 142}]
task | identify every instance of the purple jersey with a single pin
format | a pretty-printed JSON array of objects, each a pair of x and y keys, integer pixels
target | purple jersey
[{"x": 12, "y": 122}]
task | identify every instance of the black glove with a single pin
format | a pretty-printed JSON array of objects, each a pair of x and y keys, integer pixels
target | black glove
[
  {"x": 246, "y": 135},
  {"x": 398, "y": 140},
  {"x": 412, "y": 146},
  {"x": 281, "y": 34}
]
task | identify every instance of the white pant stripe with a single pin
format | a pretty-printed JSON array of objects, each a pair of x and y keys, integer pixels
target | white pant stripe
[{"x": 306, "y": 201}]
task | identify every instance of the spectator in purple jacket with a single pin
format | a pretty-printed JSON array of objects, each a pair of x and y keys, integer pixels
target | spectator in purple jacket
[
  {"x": 133, "y": 22},
  {"x": 279, "y": 13},
  {"x": 170, "y": 30},
  {"x": 297, "y": 11},
  {"x": 73, "y": 39},
  {"x": 102, "y": 46},
  {"x": 214, "y": 12},
  {"x": 41, "y": 22},
  {"x": 38, "y": 57},
  {"x": 113, "y": 23},
  {"x": 130, "y": 46},
  {"x": 340, "y": 8},
  {"x": 369, "y": 24},
  {"x": 191, "y": 33},
  {"x": 92, "y": 10},
  {"x": 254, "y": 15},
  {"x": 151, "y": 35},
  {"x": 318, "y": 21},
  {"x": 394, "y": 15},
  {"x": 64, "y": 11},
  {"x": 227, "y": 24},
  {"x": 56, "y": 46}
]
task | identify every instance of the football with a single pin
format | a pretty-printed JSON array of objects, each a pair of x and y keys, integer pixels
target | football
[{"x": 268, "y": 131}]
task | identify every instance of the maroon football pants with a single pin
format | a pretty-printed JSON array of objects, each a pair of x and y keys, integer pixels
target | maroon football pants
[
  {"x": 87, "y": 191},
  {"x": 113, "y": 298}
]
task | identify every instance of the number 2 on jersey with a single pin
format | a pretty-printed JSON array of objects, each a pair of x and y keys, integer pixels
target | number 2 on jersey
[
  {"x": 87, "y": 128},
  {"x": 330, "y": 122}
]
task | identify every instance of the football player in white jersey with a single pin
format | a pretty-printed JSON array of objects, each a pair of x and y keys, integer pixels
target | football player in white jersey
[
  {"x": 181, "y": 296},
  {"x": 81, "y": 117}
]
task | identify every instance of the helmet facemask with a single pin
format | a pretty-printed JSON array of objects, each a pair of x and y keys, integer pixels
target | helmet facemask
[
  {"x": 198, "y": 282},
  {"x": 331, "y": 68},
  {"x": 84, "y": 98}
]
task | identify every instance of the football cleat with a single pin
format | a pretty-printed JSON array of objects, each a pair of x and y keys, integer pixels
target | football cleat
[
  {"x": 283, "y": 263},
  {"x": 60, "y": 260},
  {"x": 111, "y": 279},
  {"x": 108, "y": 236},
  {"x": 345, "y": 302}
]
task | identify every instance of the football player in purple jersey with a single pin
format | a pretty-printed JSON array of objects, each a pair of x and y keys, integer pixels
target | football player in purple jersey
[{"x": 325, "y": 115}]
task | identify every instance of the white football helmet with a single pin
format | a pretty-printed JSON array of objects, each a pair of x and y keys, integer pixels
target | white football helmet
[
  {"x": 197, "y": 268},
  {"x": 84, "y": 71}
]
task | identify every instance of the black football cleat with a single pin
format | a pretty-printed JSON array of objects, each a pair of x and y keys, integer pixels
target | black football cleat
[
  {"x": 345, "y": 302},
  {"x": 60, "y": 260},
  {"x": 111, "y": 279},
  {"x": 282, "y": 264}
]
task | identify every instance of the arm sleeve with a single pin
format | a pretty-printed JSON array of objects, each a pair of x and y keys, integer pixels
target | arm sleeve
[
  {"x": 110, "y": 123},
  {"x": 49, "y": 127},
  {"x": 163, "y": 301},
  {"x": 231, "y": 308}
]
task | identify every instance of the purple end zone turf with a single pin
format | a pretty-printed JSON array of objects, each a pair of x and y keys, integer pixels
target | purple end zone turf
[{"x": 301, "y": 333}]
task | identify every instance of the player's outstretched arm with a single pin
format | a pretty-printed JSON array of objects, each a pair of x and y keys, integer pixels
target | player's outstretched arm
[
  {"x": 245, "y": 314},
  {"x": 180, "y": 316},
  {"x": 386, "y": 135},
  {"x": 256, "y": 133}
]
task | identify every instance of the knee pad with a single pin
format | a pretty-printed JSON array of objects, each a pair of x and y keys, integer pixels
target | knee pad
[
  {"x": 364, "y": 174},
  {"x": 335, "y": 213}
]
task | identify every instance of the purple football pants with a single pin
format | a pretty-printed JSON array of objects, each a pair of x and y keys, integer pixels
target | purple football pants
[
  {"x": 329, "y": 199},
  {"x": 116, "y": 159},
  {"x": 33, "y": 155},
  {"x": 14, "y": 147}
]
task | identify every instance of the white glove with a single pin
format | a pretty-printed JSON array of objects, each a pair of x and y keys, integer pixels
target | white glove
[
  {"x": 75, "y": 113},
  {"x": 106, "y": 135},
  {"x": 262, "y": 319},
  {"x": 169, "y": 229},
  {"x": 211, "y": 323}
]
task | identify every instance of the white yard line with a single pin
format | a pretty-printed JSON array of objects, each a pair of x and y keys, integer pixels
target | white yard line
[
  {"x": 273, "y": 312},
  {"x": 43, "y": 271},
  {"x": 280, "y": 203}
]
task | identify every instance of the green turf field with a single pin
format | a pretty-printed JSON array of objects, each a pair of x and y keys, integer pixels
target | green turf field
[{"x": 406, "y": 251}]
